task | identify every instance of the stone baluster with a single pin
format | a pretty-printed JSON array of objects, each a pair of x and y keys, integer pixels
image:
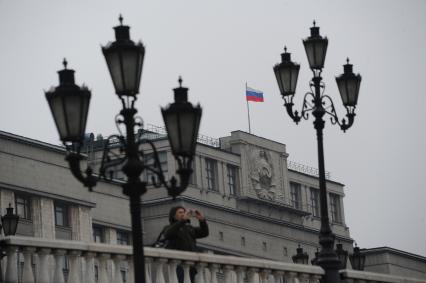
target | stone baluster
[
  {"x": 303, "y": 277},
  {"x": 240, "y": 274},
  {"x": 186, "y": 266},
  {"x": 316, "y": 278},
  {"x": 278, "y": 276},
  {"x": 159, "y": 274},
  {"x": 172, "y": 271},
  {"x": 213, "y": 272},
  {"x": 27, "y": 271},
  {"x": 229, "y": 274},
  {"x": 103, "y": 267},
  {"x": 58, "y": 275},
  {"x": 200, "y": 278},
  {"x": 43, "y": 265},
  {"x": 75, "y": 270},
  {"x": 89, "y": 274},
  {"x": 11, "y": 275},
  {"x": 290, "y": 276},
  {"x": 118, "y": 260},
  {"x": 148, "y": 268},
  {"x": 253, "y": 275},
  {"x": 131, "y": 273},
  {"x": 264, "y": 275}
]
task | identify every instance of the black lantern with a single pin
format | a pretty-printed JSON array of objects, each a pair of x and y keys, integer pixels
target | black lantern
[
  {"x": 316, "y": 48},
  {"x": 300, "y": 257},
  {"x": 342, "y": 254},
  {"x": 314, "y": 261},
  {"x": 10, "y": 222},
  {"x": 286, "y": 74},
  {"x": 69, "y": 104},
  {"x": 348, "y": 84},
  {"x": 124, "y": 59},
  {"x": 182, "y": 122},
  {"x": 357, "y": 259}
]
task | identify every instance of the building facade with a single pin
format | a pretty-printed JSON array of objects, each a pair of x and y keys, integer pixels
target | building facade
[{"x": 256, "y": 206}]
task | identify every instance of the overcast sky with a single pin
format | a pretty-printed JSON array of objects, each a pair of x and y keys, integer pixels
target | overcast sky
[{"x": 218, "y": 46}]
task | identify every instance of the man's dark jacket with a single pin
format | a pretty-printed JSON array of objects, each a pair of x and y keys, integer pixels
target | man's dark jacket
[{"x": 181, "y": 235}]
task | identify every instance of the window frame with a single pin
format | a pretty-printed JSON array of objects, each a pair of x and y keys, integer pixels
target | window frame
[
  {"x": 211, "y": 174},
  {"x": 232, "y": 179},
  {"x": 65, "y": 214},
  {"x": 27, "y": 206},
  {"x": 101, "y": 233},
  {"x": 315, "y": 202},
  {"x": 296, "y": 195},
  {"x": 125, "y": 241},
  {"x": 335, "y": 208}
]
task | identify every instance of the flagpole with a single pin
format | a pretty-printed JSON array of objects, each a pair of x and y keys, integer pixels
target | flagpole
[{"x": 248, "y": 111}]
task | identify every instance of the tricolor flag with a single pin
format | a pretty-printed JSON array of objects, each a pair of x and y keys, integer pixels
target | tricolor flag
[{"x": 254, "y": 94}]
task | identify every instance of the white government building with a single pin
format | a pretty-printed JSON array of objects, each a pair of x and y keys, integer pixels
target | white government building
[{"x": 258, "y": 205}]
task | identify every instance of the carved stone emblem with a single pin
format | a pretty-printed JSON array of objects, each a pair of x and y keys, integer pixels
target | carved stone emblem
[{"x": 262, "y": 175}]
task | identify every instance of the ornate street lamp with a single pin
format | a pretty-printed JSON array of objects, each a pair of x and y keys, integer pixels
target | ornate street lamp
[
  {"x": 300, "y": 257},
  {"x": 69, "y": 104},
  {"x": 342, "y": 254},
  {"x": 9, "y": 222},
  {"x": 357, "y": 259},
  {"x": 319, "y": 104}
]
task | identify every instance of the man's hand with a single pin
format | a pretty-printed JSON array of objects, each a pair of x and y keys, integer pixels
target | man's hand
[{"x": 198, "y": 214}]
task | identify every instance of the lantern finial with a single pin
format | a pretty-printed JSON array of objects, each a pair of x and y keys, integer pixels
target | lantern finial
[
  {"x": 180, "y": 81},
  {"x": 120, "y": 18},
  {"x": 347, "y": 60},
  {"x": 285, "y": 48},
  {"x": 314, "y": 22},
  {"x": 65, "y": 63}
]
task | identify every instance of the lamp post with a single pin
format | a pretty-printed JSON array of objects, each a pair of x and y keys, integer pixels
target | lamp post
[
  {"x": 9, "y": 223},
  {"x": 357, "y": 259},
  {"x": 319, "y": 104},
  {"x": 69, "y": 104},
  {"x": 300, "y": 257}
]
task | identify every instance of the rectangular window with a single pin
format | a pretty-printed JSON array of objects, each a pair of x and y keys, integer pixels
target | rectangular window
[
  {"x": 211, "y": 174},
  {"x": 149, "y": 159},
  {"x": 61, "y": 214},
  {"x": 123, "y": 275},
  {"x": 23, "y": 206},
  {"x": 315, "y": 202},
  {"x": 98, "y": 234},
  {"x": 336, "y": 212},
  {"x": 295, "y": 195},
  {"x": 232, "y": 179},
  {"x": 243, "y": 241},
  {"x": 193, "y": 177},
  {"x": 123, "y": 237}
]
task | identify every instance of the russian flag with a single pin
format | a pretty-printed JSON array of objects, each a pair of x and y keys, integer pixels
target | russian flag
[{"x": 254, "y": 95}]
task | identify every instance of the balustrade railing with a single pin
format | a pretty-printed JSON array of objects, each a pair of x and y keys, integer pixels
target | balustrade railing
[{"x": 38, "y": 260}]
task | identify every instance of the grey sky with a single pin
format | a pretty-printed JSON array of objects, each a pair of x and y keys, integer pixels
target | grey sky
[{"x": 219, "y": 45}]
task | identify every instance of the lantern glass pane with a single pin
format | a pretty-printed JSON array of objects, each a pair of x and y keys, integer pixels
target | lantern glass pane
[
  {"x": 190, "y": 121},
  {"x": 172, "y": 125},
  {"x": 294, "y": 76},
  {"x": 349, "y": 88},
  {"x": 114, "y": 66},
  {"x": 310, "y": 53},
  {"x": 57, "y": 108},
  {"x": 131, "y": 70},
  {"x": 73, "y": 109}
]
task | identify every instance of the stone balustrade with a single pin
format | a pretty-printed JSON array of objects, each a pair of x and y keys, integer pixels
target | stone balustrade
[
  {"x": 355, "y": 276},
  {"x": 29, "y": 260}
]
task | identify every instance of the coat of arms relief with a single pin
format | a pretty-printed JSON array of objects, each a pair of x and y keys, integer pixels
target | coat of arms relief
[{"x": 262, "y": 174}]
